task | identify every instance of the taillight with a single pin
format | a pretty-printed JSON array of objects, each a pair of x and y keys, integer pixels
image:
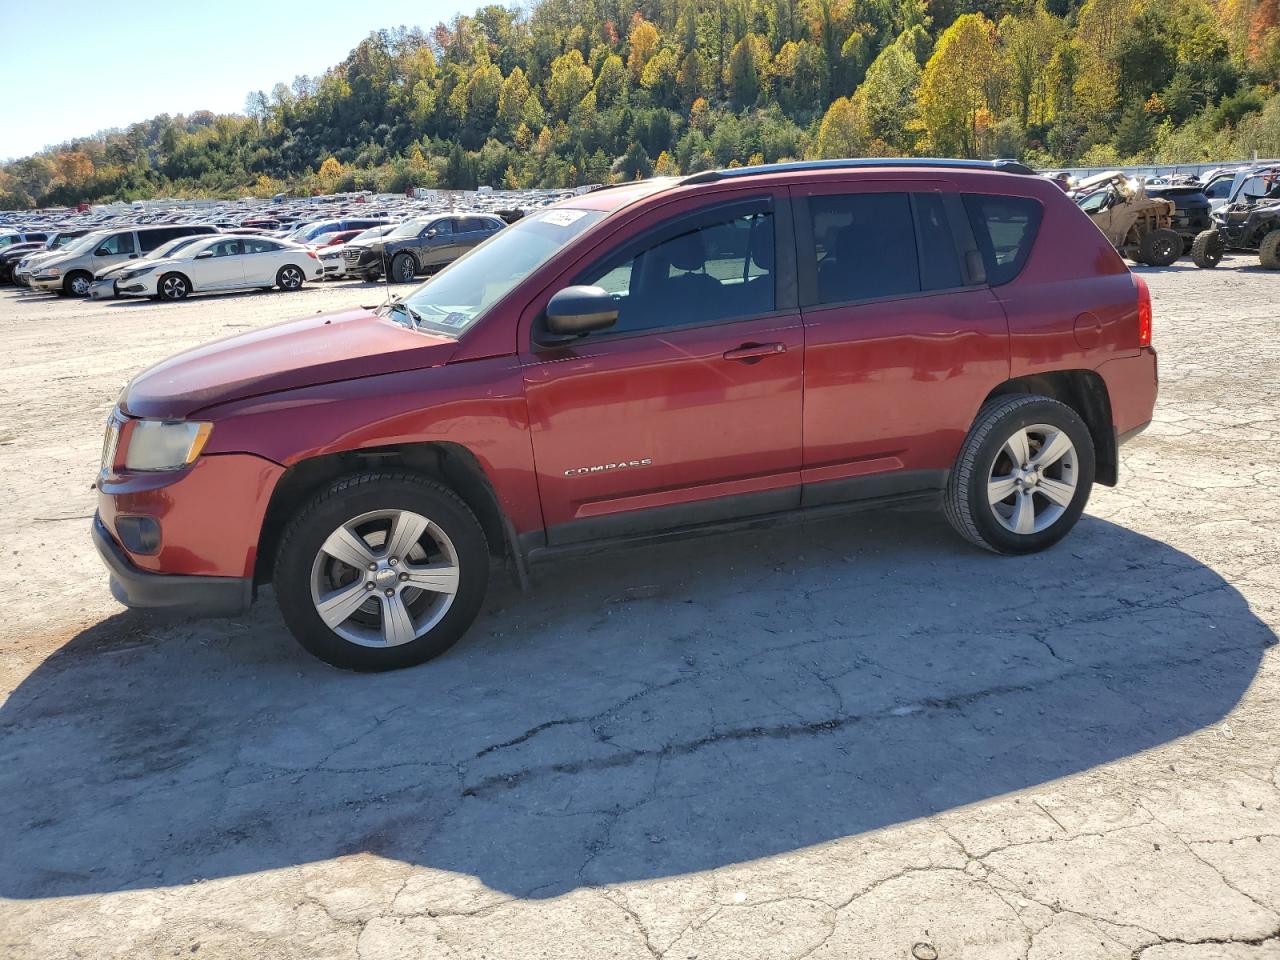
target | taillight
[{"x": 1144, "y": 312}]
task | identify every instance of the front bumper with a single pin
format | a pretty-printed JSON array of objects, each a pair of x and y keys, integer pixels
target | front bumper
[
  {"x": 194, "y": 595},
  {"x": 102, "y": 290},
  {"x": 46, "y": 285}
]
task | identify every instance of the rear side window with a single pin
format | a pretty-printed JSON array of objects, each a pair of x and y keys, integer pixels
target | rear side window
[
  {"x": 150, "y": 239},
  {"x": 865, "y": 246},
  {"x": 1005, "y": 230}
]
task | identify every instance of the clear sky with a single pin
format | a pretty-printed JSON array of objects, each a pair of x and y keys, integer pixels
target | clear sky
[{"x": 75, "y": 67}]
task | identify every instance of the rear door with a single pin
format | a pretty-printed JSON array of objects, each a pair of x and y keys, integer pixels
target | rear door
[
  {"x": 903, "y": 339},
  {"x": 688, "y": 409},
  {"x": 261, "y": 260}
]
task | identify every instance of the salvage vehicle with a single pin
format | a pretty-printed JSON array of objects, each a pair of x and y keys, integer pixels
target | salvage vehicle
[
  {"x": 1140, "y": 227},
  {"x": 57, "y": 241},
  {"x": 652, "y": 359},
  {"x": 13, "y": 254},
  {"x": 419, "y": 246},
  {"x": 103, "y": 286},
  {"x": 1253, "y": 225},
  {"x": 219, "y": 264}
]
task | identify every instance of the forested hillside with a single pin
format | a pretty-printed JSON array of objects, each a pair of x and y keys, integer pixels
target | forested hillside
[{"x": 585, "y": 91}]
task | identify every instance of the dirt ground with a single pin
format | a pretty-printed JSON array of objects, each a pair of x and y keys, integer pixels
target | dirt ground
[{"x": 857, "y": 740}]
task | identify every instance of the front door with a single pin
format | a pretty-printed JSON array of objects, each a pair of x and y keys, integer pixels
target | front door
[
  {"x": 223, "y": 268},
  {"x": 688, "y": 409}
]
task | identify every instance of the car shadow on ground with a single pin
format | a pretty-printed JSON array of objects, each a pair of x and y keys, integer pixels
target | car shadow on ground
[{"x": 641, "y": 714}]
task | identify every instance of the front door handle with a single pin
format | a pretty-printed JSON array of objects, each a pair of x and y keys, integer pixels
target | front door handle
[{"x": 755, "y": 352}]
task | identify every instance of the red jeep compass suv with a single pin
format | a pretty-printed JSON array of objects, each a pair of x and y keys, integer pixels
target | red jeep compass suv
[{"x": 724, "y": 348}]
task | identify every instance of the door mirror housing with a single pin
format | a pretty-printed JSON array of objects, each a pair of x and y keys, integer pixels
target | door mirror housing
[
  {"x": 204, "y": 255},
  {"x": 430, "y": 233},
  {"x": 102, "y": 252},
  {"x": 576, "y": 311}
]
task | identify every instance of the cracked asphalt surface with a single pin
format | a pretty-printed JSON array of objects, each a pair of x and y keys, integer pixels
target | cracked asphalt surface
[{"x": 858, "y": 739}]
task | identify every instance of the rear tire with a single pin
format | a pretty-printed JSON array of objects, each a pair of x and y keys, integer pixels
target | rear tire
[
  {"x": 1160, "y": 247},
  {"x": 1039, "y": 454},
  {"x": 403, "y": 268},
  {"x": 290, "y": 277},
  {"x": 173, "y": 286},
  {"x": 356, "y": 549},
  {"x": 1269, "y": 250},
  {"x": 1207, "y": 249}
]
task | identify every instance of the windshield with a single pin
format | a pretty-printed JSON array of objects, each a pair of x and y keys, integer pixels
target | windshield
[
  {"x": 173, "y": 246},
  {"x": 373, "y": 233},
  {"x": 85, "y": 242},
  {"x": 63, "y": 240},
  {"x": 410, "y": 228},
  {"x": 454, "y": 299}
]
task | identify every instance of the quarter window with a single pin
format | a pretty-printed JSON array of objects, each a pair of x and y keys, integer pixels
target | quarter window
[
  {"x": 716, "y": 272},
  {"x": 1005, "y": 230}
]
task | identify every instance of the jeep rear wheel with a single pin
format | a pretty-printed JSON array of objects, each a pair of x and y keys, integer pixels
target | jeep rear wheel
[
  {"x": 381, "y": 571},
  {"x": 1023, "y": 476},
  {"x": 1160, "y": 247},
  {"x": 1207, "y": 249},
  {"x": 1269, "y": 250}
]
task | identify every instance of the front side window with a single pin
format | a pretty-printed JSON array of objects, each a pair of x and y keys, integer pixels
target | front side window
[
  {"x": 225, "y": 248},
  {"x": 456, "y": 297},
  {"x": 865, "y": 246},
  {"x": 443, "y": 227},
  {"x": 117, "y": 244},
  {"x": 1219, "y": 188},
  {"x": 711, "y": 273},
  {"x": 1005, "y": 230}
]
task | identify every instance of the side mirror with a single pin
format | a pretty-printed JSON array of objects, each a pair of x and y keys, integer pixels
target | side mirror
[
  {"x": 102, "y": 252},
  {"x": 204, "y": 255},
  {"x": 576, "y": 311},
  {"x": 430, "y": 233}
]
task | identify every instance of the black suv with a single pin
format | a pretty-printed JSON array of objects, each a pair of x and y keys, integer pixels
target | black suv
[{"x": 421, "y": 245}]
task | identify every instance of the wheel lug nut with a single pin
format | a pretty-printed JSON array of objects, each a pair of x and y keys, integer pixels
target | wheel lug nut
[
  {"x": 390, "y": 592},
  {"x": 404, "y": 576},
  {"x": 369, "y": 585},
  {"x": 373, "y": 566},
  {"x": 393, "y": 561}
]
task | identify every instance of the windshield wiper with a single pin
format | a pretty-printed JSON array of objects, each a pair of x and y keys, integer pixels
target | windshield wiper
[{"x": 415, "y": 318}]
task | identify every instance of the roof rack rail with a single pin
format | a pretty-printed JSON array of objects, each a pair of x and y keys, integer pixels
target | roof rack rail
[{"x": 1004, "y": 166}]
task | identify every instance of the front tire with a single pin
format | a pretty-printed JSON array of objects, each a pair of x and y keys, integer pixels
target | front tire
[
  {"x": 1023, "y": 475},
  {"x": 289, "y": 277},
  {"x": 77, "y": 283},
  {"x": 381, "y": 571},
  {"x": 1160, "y": 248},
  {"x": 403, "y": 268},
  {"x": 1207, "y": 249},
  {"x": 1269, "y": 250},
  {"x": 173, "y": 286}
]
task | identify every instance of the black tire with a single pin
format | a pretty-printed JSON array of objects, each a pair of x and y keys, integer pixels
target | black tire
[
  {"x": 371, "y": 276},
  {"x": 1160, "y": 247},
  {"x": 1269, "y": 250},
  {"x": 966, "y": 502},
  {"x": 403, "y": 268},
  {"x": 173, "y": 286},
  {"x": 354, "y": 496},
  {"x": 1207, "y": 249},
  {"x": 290, "y": 277},
  {"x": 76, "y": 283}
]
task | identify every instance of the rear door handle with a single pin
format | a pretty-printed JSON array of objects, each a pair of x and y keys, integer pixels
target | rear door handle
[{"x": 755, "y": 352}]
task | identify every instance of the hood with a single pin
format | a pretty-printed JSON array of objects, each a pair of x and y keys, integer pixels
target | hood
[
  {"x": 298, "y": 353},
  {"x": 118, "y": 268}
]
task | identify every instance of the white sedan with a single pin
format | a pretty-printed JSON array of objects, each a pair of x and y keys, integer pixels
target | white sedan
[{"x": 221, "y": 263}]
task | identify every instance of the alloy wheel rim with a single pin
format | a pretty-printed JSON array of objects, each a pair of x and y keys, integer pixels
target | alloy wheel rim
[
  {"x": 174, "y": 288},
  {"x": 1033, "y": 479},
  {"x": 385, "y": 578},
  {"x": 290, "y": 278},
  {"x": 79, "y": 286}
]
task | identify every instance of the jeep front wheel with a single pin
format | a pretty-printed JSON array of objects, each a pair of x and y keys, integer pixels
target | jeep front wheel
[
  {"x": 381, "y": 571},
  {"x": 1207, "y": 249},
  {"x": 1023, "y": 475}
]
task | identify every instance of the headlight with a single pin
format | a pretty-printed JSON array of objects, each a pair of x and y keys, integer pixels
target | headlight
[
  {"x": 131, "y": 274},
  {"x": 49, "y": 272},
  {"x": 165, "y": 444}
]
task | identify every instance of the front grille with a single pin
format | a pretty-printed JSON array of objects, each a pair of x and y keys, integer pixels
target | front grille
[{"x": 352, "y": 256}]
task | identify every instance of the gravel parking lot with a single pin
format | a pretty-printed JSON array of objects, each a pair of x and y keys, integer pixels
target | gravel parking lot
[{"x": 857, "y": 740}]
